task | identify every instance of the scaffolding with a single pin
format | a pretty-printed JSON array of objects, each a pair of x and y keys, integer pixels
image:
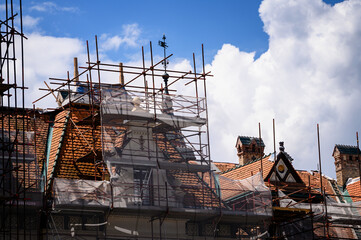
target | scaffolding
[
  {"x": 318, "y": 215},
  {"x": 131, "y": 160},
  {"x": 20, "y": 181},
  {"x": 143, "y": 151}
]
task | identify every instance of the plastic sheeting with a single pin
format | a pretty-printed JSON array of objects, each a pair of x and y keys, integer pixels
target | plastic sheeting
[
  {"x": 337, "y": 212},
  {"x": 139, "y": 129},
  {"x": 342, "y": 218},
  {"x": 248, "y": 195},
  {"x": 81, "y": 192}
]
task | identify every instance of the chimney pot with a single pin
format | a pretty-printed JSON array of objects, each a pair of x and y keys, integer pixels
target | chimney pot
[
  {"x": 121, "y": 75},
  {"x": 76, "y": 73}
]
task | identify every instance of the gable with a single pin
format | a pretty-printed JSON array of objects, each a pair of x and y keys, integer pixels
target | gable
[{"x": 283, "y": 171}]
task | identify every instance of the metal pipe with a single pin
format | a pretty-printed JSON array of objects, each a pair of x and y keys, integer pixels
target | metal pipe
[
  {"x": 322, "y": 189},
  {"x": 260, "y": 145},
  {"x": 121, "y": 75},
  {"x": 358, "y": 158},
  {"x": 76, "y": 72}
]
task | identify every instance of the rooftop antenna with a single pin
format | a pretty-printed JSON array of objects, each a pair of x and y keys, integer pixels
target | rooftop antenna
[{"x": 165, "y": 62}]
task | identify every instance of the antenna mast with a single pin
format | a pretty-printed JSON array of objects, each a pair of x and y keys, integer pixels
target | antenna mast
[{"x": 165, "y": 76}]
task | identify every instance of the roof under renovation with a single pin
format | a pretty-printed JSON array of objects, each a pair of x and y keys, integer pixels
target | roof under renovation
[{"x": 132, "y": 160}]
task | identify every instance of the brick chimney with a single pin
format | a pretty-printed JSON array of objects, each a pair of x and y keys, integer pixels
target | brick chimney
[{"x": 249, "y": 149}]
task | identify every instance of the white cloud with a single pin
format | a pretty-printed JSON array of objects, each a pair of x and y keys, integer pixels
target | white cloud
[
  {"x": 30, "y": 22},
  {"x": 310, "y": 74},
  {"x": 45, "y": 57},
  {"x": 51, "y": 7},
  {"x": 129, "y": 38}
]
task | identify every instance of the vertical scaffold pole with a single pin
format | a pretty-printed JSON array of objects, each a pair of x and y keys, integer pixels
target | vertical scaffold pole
[
  {"x": 326, "y": 231},
  {"x": 358, "y": 157}
]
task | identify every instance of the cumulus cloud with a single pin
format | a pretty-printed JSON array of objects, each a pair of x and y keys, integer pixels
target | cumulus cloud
[
  {"x": 310, "y": 74},
  {"x": 128, "y": 38},
  {"x": 51, "y": 7},
  {"x": 30, "y": 22},
  {"x": 45, "y": 57}
]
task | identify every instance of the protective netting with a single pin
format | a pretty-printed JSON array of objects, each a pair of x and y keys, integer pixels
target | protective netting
[
  {"x": 82, "y": 192},
  {"x": 17, "y": 151},
  {"x": 156, "y": 151},
  {"x": 248, "y": 197},
  {"x": 245, "y": 203},
  {"x": 332, "y": 219}
]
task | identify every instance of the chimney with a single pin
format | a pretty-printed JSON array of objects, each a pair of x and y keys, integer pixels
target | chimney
[
  {"x": 121, "y": 75},
  {"x": 76, "y": 73}
]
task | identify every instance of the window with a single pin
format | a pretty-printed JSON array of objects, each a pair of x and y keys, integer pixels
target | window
[
  {"x": 143, "y": 186},
  {"x": 350, "y": 158},
  {"x": 253, "y": 148}
]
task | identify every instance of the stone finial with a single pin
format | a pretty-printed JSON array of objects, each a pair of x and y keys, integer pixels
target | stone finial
[
  {"x": 282, "y": 148},
  {"x": 136, "y": 105}
]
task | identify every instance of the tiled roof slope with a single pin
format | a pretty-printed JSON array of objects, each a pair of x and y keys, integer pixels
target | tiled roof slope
[
  {"x": 60, "y": 124},
  {"x": 346, "y": 149},
  {"x": 314, "y": 180},
  {"x": 247, "y": 140},
  {"x": 247, "y": 170},
  {"x": 223, "y": 166},
  {"x": 334, "y": 232},
  {"x": 75, "y": 149},
  {"x": 42, "y": 128},
  {"x": 38, "y": 127},
  {"x": 197, "y": 191},
  {"x": 354, "y": 190}
]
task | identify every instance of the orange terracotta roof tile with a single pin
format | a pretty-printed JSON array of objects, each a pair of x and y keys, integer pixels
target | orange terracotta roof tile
[
  {"x": 354, "y": 190},
  {"x": 314, "y": 180},
  {"x": 79, "y": 147},
  {"x": 247, "y": 170},
  {"x": 59, "y": 128},
  {"x": 197, "y": 189},
  {"x": 223, "y": 166},
  {"x": 26, "y": 152}
]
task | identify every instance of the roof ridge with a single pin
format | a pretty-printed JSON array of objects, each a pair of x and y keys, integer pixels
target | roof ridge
[
  {"x": 249, "y": 136},
  {"x": 225, "y": 162},
  {"x": 238, "y": 165},
  {"x": 344, "y": 145}
]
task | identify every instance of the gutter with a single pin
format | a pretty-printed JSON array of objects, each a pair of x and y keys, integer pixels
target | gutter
[{"x": 46, "y": 162}]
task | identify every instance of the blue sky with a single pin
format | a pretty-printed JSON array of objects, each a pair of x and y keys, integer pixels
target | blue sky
[
  {"x": 190, "y": 23},
  {"x": 295, "y": 61}
]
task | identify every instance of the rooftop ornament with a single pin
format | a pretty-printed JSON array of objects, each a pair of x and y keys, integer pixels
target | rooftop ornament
[{"x": 165, "y": 76}]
